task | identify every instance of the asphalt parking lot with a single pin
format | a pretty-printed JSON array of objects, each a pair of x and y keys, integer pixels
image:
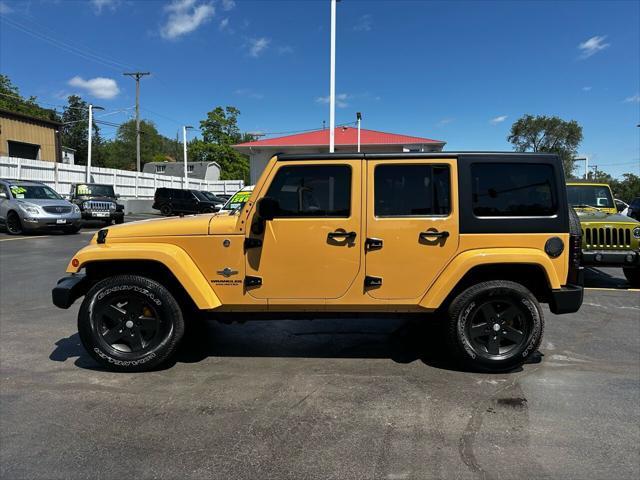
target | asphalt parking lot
[{"x": 343, "y": 399}]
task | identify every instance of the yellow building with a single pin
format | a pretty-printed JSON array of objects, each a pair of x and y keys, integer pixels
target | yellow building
[{"x": 24, "y": 136}]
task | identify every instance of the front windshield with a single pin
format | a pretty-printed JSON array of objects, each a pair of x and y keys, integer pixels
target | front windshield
[
  {"x": 84, "y": 189},
  {"x": 211, "y": 197},
  {"x": 598, "y": 196},
  {"x": 237, "y": 200},
  {"x": 201, "y": 196},
  {"x": 33, "y": 192}
]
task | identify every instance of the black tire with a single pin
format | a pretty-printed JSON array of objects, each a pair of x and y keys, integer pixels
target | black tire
[
  {"x": 71, "y": 230},
  {"x": 130, "y": 323},
  {"x": 13, "y": 224},
  {"x": 633, "y": 276},
  {"x": 166, "y": 210},
  {"x": 502, "y": 307},
  {"x": 119, "y": 220}
]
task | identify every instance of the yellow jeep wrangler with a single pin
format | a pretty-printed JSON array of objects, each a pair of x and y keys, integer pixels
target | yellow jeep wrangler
[{"x": 478, "y": 239}]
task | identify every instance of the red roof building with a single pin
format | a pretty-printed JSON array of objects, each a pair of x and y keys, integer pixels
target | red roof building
[{"x": 346, "y": 140}]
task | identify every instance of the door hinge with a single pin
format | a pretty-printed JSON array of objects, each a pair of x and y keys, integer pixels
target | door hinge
[
  {"x": 372, "y": 244},
  {"x": 372, "y": 281},
  {"x": 252, "y": 243},
  {"x": 250, "y": 281}
]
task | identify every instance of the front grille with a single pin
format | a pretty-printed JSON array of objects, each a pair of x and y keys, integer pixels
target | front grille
[
  {"x": 54, "y": 209},
  {"x": 93, "y": 205},
  {"x": 607, "y": 237}
]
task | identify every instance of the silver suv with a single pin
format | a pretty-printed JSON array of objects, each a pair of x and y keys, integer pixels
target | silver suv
[{"x": 28, "y": 206}]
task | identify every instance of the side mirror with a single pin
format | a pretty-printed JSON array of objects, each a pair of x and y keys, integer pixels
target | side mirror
[
  {"x": 620, "y": 207},
  {"x": 268, "y": 208},
  {"x": 117, "y": 196}
]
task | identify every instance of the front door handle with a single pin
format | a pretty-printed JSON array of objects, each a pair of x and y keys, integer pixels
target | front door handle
[
  {"x": 433, "y": 234},
  {"x": 341, "y": 235}
]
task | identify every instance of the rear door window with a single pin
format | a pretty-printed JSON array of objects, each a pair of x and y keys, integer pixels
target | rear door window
[
  {"x": 513, "y": 190},
  {"x": 412, "y": 190}
]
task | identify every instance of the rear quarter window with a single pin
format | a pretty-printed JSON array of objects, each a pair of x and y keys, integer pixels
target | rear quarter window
[{"x": 513, "y": 190}]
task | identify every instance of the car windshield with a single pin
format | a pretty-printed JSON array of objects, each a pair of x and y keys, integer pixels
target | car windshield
[
  {"x": 84, "y": 189},
  {"x": 237, "y": 200},
  {"x": 598, "y": 196},
  {"x": 201, "y": 196},
  {"x": 211, "y": 197},
  {"x": 34, "y": 192}
]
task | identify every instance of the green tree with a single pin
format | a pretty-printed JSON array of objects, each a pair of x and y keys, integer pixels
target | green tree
[
  {"x": 626, "y": 189},
  {"x": 75, "y": 118},
  {"x": 219, "y": 131},
  {"x": 10, "y": 99},
  {"x": 122, "y": 151},
  {"x": 547, "y": 134}
]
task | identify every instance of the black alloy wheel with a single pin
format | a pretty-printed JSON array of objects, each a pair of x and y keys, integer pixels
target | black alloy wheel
[
  {"x": 166, "y": 210},
  {"x": 14, "y": 226},
  {"x": 130, "y": 323},
  {"x": 497, "y": 327}
]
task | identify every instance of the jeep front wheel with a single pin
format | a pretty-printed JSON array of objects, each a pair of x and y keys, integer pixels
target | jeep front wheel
[
  {"x": 495, "y": 325},
  {"x": 130, "y": 323}
]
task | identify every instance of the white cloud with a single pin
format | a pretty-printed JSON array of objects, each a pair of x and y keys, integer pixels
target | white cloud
[
  {"x": 228, "y": 5},
  {"x": 4, "y": 8},
  {"x": 258, "y": 45},
  {"x": 633, "y": 99},
  {"x": 498, "y": 119},
  {"x": 224, "y": 24},
  {"x": 247, "y": 92},
  {"x": 364, "y": 23},
  {"x": 586, "y": 89},
  {"x": 593, "y": 46},
  {"x": 98, "y": 87},
  {"x": 341, "y": 100},
  {"x": 100, "y": 5},
  {"x": 285, "y": 49},
  {"x": 185, "y": 16},
  {"x": 445, "y": 121}
]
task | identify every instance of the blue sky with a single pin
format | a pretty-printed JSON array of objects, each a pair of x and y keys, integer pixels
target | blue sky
[{"x": 455, "y": 71}]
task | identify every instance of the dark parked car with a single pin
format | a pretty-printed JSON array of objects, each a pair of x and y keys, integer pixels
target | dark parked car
[
  {"x": 634, "y": 209},
  {"x": 175, "y": 200},
  {"x": 97, "y": 202}
]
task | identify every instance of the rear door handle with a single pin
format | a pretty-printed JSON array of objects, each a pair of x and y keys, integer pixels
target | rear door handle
[
  {"x": 434, "y": 234},
  {"x": 341, "y": 235}
]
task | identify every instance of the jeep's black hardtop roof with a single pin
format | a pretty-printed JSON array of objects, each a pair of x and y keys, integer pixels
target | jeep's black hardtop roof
[{"x": 410, "y": 155}]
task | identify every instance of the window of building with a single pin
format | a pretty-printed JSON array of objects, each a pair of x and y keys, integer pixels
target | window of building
[
  {"x": 513, "y": 190},
  {"x": 23, "y": 150},
  {"x": 312, "y": 191},
  {"x": 412, "y": 190},
  {"x": 160, "y": 168}
]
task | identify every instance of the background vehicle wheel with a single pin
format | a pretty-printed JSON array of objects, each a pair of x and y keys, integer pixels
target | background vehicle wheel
[
  {"x": 166, "y": 210},
  {"x": 71, "y": 230},
  {"x": 633, "y": 276},
  {"x": 14, "y": 225},
  {"x": 119, "y": 220},
  {"x": 130, "y": 323},
  {"x": 495, "y": 325}
]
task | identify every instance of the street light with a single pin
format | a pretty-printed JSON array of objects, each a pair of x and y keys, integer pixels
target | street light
[
  {"x": 91, "y": 108},
  {"x": 184, "y": 143}
]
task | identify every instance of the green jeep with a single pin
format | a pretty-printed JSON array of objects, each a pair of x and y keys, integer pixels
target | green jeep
[{"x": 608, "y": 238}]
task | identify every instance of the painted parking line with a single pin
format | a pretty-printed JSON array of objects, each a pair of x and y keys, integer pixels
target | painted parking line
[
  {"x": 24, "y": 238},
  {"x": 613, "y": 289}
]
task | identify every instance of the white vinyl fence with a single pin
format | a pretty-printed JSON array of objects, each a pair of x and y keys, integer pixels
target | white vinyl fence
[{"x": 127, "y": 184}]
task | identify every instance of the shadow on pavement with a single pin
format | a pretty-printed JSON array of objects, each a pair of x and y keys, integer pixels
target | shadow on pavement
[{"x": 596, "y": 278}]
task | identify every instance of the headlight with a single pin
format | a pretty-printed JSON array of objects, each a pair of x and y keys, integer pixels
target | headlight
[
  {"x": 85, "y": 205},
  {"x": 112, "y": 206},
  {"x": 30, "y": 208},
  {"x": 636, "y": 232},
  {"x": 76, "y": 209}
]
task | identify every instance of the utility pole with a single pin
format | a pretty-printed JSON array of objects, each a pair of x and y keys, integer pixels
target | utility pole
[
  {"x": 137, "y": 76},
  {"x": 332, "y": 80},
  {"x": 89, "y": 139},
  {"x": 184, "y": 144},
  {"x": 359, "y": 118}
]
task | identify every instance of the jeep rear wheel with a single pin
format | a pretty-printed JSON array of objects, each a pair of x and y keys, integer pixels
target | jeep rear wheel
[
  {"x": 166, "y": 210},
  {"x": 495, "y": 325},
  {"x": 633, "y": 276},
  {"x": 130, "y": 323}
]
